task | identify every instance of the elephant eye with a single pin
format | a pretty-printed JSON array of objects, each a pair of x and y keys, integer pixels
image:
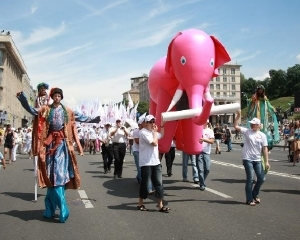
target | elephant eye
[
  {"x": 212, "y": 62},
  {"x": 183, "y": 60}
]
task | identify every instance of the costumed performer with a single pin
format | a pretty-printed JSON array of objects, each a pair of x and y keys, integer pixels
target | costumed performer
[
  {"x": 57, "y": 164},
  {"x": 260, "y": 107}
]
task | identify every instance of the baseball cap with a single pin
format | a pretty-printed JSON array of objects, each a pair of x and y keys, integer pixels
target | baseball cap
[
  {"x": 141, "y": 120},
  {"x": 149, "y": 118},
  {"x": 255, "y": 121}
]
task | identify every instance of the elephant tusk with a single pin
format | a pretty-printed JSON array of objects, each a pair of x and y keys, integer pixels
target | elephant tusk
[
  {"x": 175, "y": 99},
  {"x": 190, "y": 113}
]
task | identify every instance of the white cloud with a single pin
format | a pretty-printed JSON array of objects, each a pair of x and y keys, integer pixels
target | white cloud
[
  {"x": 40, "y": 35},
  {"x": 235, "y": 53},
  {"x": 263, "y": 76},
  {"x": 154, "y": 37},
  {"x": 33, "y": 9},
  {"x": 242, "y": 59},
  {"x": 298, "y": 57}
]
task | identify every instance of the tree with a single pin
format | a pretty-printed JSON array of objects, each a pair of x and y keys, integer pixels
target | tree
[
  {"x": 143, "y": 107},
  {"x": 293, "y": 80},
  {"x": 278, "y": 83}
]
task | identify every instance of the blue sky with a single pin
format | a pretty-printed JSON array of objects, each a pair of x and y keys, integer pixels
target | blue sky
[{"x": 91, "y": 48}]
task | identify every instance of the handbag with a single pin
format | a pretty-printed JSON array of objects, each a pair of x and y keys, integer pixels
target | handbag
[
  {"x": 226, "y": 141},
  {"x": 290, "y": 139}
]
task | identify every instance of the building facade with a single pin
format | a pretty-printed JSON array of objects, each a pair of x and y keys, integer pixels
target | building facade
[
  {"x": 144, "y": 91},
  {"x": 226, "y": 89},
  {"x": 134, "y": 94},
  {"x": 13, "y": 79}
]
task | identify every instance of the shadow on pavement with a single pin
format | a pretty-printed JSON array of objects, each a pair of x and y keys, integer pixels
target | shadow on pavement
[
  {"x": 23, "y": 196},
  {"x": 230, "y": 180},
  {"x": 296, "y": 192},
  {"x": 30, "y": 215}
]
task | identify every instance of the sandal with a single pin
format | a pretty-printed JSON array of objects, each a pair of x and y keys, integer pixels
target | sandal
[
  {"x": 164, "y": 209},
  {"x": 142, "y": 208},
  {"x": 256, "y": 200},
  {"x": 250, "y": 203}
]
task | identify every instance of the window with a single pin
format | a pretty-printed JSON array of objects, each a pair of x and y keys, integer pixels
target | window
[
  {"x": 233, "y": 94},
  {"x": 224, "y": 94},
  {"x": 211, "y": 86},
  {"x": 218, "y": 94},
  {"x": 233, "y": 71},
  {"x": 217, "y": 86},
  {"x": 232, "y": 87},
  {"x": 224, "y": 79},
  {"x": 232, "y": 79},
  {"x": 218, "y": 79},
  {"x": 1, "y": 57},
  {"x": 224, "y": 70},
  {"x": 224, "y": 86}
]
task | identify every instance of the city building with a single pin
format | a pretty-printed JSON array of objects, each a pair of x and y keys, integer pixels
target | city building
[
  {"x": 134, "y": 94},
  {"x": 144, "y": 91},
  {"x": 226, "y": 89},
  {"x": 13, "y": 79}
]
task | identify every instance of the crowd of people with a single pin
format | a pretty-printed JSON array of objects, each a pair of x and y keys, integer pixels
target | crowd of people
[{"x": 58, "y": 131}]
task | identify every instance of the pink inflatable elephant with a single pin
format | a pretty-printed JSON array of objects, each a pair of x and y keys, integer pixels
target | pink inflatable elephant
[{"x": 193, "y": 59}]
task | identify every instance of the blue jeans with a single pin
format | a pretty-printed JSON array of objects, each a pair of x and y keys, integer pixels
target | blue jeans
[
  {"x": 185, "y": 163},
  {"x": 139, "y": 174},
  {"x": 203, "y": 165},
  {"x": 154, "y": 174},
  {"x": 136, "y": 160},
  {"x": 229, "y": 147},
  {"x": 249, "y": 166}
]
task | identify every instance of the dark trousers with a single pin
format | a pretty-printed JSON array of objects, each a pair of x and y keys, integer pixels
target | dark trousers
[
  {"x": 151, "y": 173},
  {"x": 119, "y": 155},
  {"x": 170, "y": 156},
  {"x": 107, "y": 156},
  {"x": 93, "y": 146}
]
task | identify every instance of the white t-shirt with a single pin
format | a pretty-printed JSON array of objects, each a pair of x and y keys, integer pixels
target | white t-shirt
[
  {"x": 92, "y": 134},
  {"x": 119, "y": 136},
  {"x": 135, "y": 134},
  {"x": 253, "y": 144},
  {"x": 148, "y": 154},
  {"x": 104, "y": 136},
  {"x": 208, "y": 134}
]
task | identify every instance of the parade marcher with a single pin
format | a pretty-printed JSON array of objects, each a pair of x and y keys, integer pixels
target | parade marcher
[
  {"x": 255, "y": 144},
  {"x": 18, "y": 141},
  {"x": 185, "y": 164},
  {"x": 203, "y": 159},
  {"x": 28, "y": 143},
  {"x": 2, "y": 161},
  {"x": 57, "y": 164},
  {"x": 218, "y": 137},
  {"x": 228, "y": 136},
  {"x": 119, "y": 134},
  {"x": 150, "y": 164},
  {"x": 260, "y": 107},
  {"x": 106, "y": 147},
  {"x": 92, "y": 135},
  {"x": 9, "y": 142},
  {"x": 169, "y": 157}
]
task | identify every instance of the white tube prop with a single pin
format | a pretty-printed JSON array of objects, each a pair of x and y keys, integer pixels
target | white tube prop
[
  {"x": 35, "y": 177},
  {"x": 190, "y": 113},
  {"x": 175, "y": 99}
]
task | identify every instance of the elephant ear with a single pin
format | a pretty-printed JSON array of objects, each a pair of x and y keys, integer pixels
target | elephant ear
[
  {"x": 221, "y": 55},
  {"x": 169, "y": 60}
]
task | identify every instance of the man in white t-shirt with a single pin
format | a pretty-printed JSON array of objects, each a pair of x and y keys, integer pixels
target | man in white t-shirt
[
  {"x": 203, "y": 159},
  {"x": 92, "y": 137},
  {"x": 255, "y": 144},
  {"x": 150, "y": 164},
  {"x": 106, "y": 147}
]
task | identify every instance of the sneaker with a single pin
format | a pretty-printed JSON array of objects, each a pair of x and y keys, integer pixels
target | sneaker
[
  {"x": 185, "y": 180},
  {"x": 202, "y": 188},
  {"x": 196, "y": 181}
]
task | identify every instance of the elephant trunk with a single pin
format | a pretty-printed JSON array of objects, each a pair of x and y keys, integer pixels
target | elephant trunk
[{"x": 196, "y": 97}]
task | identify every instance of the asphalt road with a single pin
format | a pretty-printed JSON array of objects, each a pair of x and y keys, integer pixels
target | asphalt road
[{"x": 108, "y": 211}]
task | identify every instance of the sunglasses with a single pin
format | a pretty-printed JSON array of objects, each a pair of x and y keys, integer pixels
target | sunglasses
[{"x": 152, "y": 121}]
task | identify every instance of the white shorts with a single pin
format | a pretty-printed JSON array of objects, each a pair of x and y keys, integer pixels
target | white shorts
[{"x": 218, "y": 141}]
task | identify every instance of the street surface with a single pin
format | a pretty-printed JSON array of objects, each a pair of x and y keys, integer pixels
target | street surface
[{"x": 105, "y": 208}]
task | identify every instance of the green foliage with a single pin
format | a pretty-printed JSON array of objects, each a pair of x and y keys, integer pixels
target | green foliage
[{"x": 143, "y": 107}]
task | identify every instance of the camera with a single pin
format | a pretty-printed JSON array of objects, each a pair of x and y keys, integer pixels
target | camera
[{"x": 122, "y": 128}]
